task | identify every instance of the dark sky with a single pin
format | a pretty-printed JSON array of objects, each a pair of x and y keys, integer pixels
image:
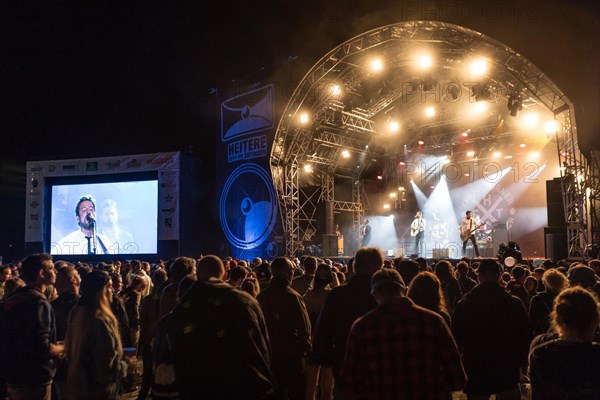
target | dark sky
[{"x": 83, "y": 78}]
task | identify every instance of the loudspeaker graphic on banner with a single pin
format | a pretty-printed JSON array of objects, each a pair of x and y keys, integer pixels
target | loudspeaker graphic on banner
[
  {"x": 248, "y": 206},
  {"x": 247, "y": 113}
]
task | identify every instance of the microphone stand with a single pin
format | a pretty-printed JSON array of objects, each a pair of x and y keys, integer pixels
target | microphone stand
[{"x": 94, "y": 247}]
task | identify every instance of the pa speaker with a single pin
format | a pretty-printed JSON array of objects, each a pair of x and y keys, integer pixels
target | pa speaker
[{"x": 556, "y": 246}]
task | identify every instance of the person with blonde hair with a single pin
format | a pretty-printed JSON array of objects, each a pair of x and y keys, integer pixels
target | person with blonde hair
[
  {"x": 93, "y": 344},
  {"x": 566, "y": 365}
]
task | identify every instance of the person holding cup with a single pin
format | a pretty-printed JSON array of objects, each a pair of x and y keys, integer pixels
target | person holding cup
[{"x": 97, "y": 363}]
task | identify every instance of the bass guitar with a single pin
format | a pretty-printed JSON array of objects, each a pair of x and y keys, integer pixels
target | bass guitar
[{"x": 464, "y": 235}]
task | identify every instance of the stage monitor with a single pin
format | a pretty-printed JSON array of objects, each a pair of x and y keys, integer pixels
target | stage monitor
[{"x": 102, "y": 215}]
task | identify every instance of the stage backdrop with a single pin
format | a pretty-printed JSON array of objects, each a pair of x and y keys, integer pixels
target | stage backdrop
[
  {"x": 246, "y": 199},
  {"x": 164, "y": 217}
]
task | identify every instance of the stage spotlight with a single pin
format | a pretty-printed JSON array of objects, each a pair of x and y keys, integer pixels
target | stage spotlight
[
  {"x": 425, "y": 62},
  {"x": 386, "y": 206},
  {"x": 345, "y": 154},
  {"x": 530, "y": 120},
  {"x": 401, "y": 188},
  {"x": 379, "y": 177},
  {"x": 308, "y": 168},
  {"x": 430, "y": 112},
  {"x": 393, "y": 195},
  {"x": 522, "y": 145},
  {"x": 335, "y": 90},
  {"x": 534, "y": 155},
  {"x": 480, "y": 106},
  {"x": 550, "y": 128},
  {"x": 377, "y": 65},
  {"x": 496, "y": 154},
  {"x": 304, "y": 118},
  {"x": 393, "y": 126},
  {"x": 421, "y": 143},
  {"x": 470, "y": 153},
  {"x": 478, "y": 67},
  {"x": 465, "y": 134}
]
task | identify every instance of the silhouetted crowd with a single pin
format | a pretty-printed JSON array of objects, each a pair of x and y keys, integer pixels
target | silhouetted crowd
[{"x": 300, "y": 328}]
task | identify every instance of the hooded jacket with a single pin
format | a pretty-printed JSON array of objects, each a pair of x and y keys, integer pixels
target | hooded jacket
[{"x": 29, "y": 329}]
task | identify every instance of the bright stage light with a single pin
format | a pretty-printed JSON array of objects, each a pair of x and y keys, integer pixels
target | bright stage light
[
  {"x": 430, "y": 112},
  {"x": 465, "y": 134},
  {"x": 470, "y": 153},
  {"x": 345, "y": 154},
  {"x": 530, "y": 120},
  {"x": 425, "y": 62},
  {"x": 393, "y": 195},
  {"x": 377, "y": 65},
  {"x": 478, "y": 67},
  {"x": 480, "y": 106},
  {"x": 522, "y": 145},
  {"x": 496, "y": 154},
  {"x": 304, "y": 118},
  {"x": 335, "y": 90},
  {"x": 393, "y": 126},
  {"x": 421, "y": 143},
  {"x": 401, "y": 188},
  {"x": 550, "y": 127},
  {"x": 308, "y": 168},
  {"x": 534, "y": 155},
  {"x": 379, "y": 177},
  {"x": 386, "y": 206}
]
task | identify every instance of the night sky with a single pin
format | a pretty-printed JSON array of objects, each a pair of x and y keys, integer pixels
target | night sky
[{"x": 90, "y": 79}]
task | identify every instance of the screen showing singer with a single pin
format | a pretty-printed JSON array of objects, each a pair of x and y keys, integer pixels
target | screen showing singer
[{"x": 119, "y": 218}]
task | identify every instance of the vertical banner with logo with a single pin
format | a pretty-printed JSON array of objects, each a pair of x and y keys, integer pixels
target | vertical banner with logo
[{"x": 247, "y": 201}]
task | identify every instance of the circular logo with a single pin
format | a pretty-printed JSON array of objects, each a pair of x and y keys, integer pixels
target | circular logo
[{"x": 248, "y": 206}]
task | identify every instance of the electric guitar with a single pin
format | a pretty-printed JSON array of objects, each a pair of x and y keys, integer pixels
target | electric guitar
[{"x": 467, "y": 234}]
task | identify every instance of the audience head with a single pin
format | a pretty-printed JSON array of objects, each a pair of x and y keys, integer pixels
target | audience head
[
  {"x": 575, "y": 314},
  {"x": 489, "y": 270},
  {"x": 250, "y": 285},
  {"x": 11, "y": 285},
  {"x": 5, "y": 273},
  {"x": 387, "y": 283},
  {"x": 323, "y": 276},
  {"x": 67, "y": 280},
  {"x": 368, "y": 260},
  {"x": 182, "y": 267},
  {"x": 96, "y": 289},
  {"x": 426, "y": 291},
  {"x": 583, "y": 276},
  {"x": 282, "y": 268},
  {"x": 117, "y": 282},
  {"x": 38, "y": 268},
  {"x": 237, "y": 276},
  {"x": 159, "y": 277},
  {"x": 210, "y": 267},
  {"x": 310, "y": 265},
  {"x": 444, "y": 271}
]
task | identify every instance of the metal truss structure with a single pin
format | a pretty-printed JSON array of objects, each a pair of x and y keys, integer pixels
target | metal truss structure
[{"x": 348, "y": 104}]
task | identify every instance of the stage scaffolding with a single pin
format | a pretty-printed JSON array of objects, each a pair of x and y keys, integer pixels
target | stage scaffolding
[{"x": 353, "y": 122}]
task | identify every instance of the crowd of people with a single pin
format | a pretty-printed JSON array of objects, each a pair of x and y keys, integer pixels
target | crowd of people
[{"x": 299, "y": 328}]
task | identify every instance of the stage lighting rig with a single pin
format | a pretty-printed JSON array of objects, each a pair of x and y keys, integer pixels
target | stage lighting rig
[{"x": 515, "y": 104}]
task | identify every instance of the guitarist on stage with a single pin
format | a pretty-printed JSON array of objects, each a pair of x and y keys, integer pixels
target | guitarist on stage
[
  {"x": 467, "y": 231},
  {"x": 417, "y": 229}
]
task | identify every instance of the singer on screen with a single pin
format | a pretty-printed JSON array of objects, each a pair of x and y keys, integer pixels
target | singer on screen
[{"x": 84, "y": 240}]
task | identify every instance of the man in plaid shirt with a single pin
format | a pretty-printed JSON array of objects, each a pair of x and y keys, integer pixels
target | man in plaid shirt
[{"x": 400, "y": 350}]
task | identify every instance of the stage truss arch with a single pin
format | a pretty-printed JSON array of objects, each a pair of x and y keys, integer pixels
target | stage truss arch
[{"x": 353, "y": 121}]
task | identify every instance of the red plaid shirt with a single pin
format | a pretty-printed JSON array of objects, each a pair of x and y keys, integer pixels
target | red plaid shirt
[{"x": 401, "y": 351}]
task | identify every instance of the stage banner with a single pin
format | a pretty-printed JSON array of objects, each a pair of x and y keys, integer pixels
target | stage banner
[
  {"x": 166, "y": 164},
  {"x": 247, "y": 201}
]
